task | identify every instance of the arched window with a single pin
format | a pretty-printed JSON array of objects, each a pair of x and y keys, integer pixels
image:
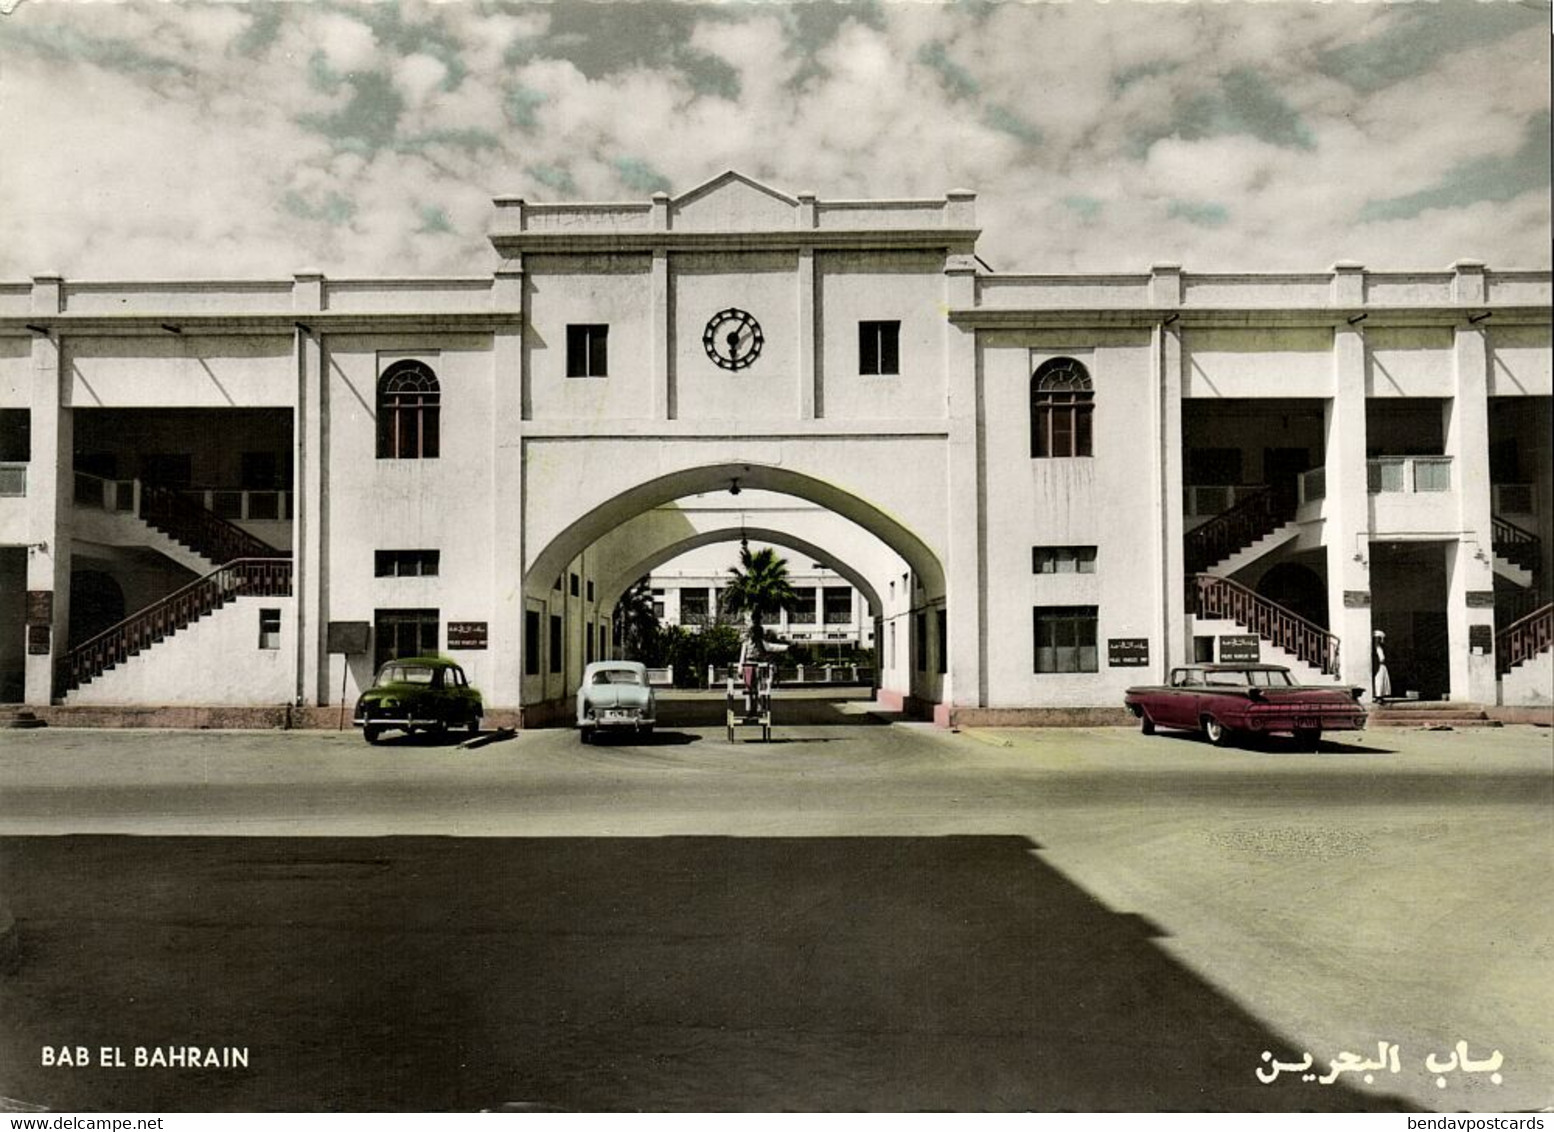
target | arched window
[
  {"x": 1062, "y": 399},
  {"x": 409, "y": 412}
]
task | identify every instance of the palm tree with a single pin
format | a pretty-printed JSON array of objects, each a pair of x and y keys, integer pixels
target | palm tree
[
  {"x": 760, "y": 589},
  {"x": 635, "y": 621}
]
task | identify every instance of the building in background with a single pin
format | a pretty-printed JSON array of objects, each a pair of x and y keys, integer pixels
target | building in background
[{"x": 1042, "y": 487}]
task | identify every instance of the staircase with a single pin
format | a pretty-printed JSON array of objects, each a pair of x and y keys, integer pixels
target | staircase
[
  {"x": 245, "y": 577},
  {"x": 1264, "y": 519},
  {"x": 1525, "y": 639},
  {"x": 1437, "y": 714},
  {"x": 1213, "y": 597},
  {"x": 202, "y": 531}
]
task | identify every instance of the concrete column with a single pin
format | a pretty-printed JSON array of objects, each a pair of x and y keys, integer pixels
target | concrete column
[
  {"x": 506, "y": 631},
  {"x": 50, "y": 491},
  {"x": 810, "y": 405},
  {"x": 1346, "y": 510},
  {"x": 965, "y": 685},
  {"x": 663, "y": 337},
  {"x": 1175, "y": 638},
  {"x": 310, "y": 522},
  {"x": 1470, "y": 576}
]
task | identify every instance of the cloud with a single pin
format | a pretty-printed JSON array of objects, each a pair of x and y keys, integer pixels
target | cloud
[{"x": 146, "y": 139}]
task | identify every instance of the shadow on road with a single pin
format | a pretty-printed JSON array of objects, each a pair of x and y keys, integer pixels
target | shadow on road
[{"x": 611, "y": 973}]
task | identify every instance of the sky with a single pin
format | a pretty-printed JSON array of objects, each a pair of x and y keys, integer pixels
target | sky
[{"x": 150, "y": 140}]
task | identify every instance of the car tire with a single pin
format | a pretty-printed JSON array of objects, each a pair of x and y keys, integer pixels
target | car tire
[
  {"x": 474, "y": 725},
  {"x": 1217, "y": 732},
  {"x": 372, "y": 734},
  {"x": 1308, "y": 738},
  {"x": 1146, "y": 725},
  {"x": 585, "y": 735}
]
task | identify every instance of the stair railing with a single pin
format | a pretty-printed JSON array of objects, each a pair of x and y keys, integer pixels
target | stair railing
[
  {"x": 203, "y": 531},
  {"x": 1522, "y": 640},
  {"x": 1515, "y": 544},
  {"x": 246, "y": 577},
  {"x": 1257, "y": 515},
  {"x": 1218, "y": 597}
]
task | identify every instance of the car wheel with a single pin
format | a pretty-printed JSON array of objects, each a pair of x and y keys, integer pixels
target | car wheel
[
  {"x": 474, "y": 725},
  {"x": 1146, "y": 725},
  {"x": 1217, "y": 732},
  {"x": 372, "y": 734},
  {"x": 1308, "y": 738},
  {"x": 585, "y": 735}
]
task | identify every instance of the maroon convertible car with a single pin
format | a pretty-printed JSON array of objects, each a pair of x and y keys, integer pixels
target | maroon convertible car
[{"x": 1223, "y": 699}]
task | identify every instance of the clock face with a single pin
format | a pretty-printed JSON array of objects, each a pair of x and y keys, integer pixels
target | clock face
[{"x": 733, "y": 339}]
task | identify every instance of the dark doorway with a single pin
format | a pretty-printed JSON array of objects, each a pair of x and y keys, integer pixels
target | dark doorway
[
  {"x": 96, "y": 603},
  {"x": 1408, "y": 595},
  {"x": 1282, "y": 468},
  {"x": 1298, "y": 588}
]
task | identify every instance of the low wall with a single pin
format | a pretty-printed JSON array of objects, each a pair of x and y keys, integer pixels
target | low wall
[{"x": 1041, "y": 717}]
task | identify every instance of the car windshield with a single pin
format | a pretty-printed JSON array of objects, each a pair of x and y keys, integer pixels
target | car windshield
[
  {"x": 617, "y": 676},
  {"x": 406, "y": 674},
  {"x": 1262, "y": 677}
]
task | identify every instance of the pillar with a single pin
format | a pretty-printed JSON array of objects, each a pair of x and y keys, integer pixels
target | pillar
[
  {"x": 506, "y": 632},
  {"x": 310, "y": 519},
  {"x": 50, "y": 491},
  {"x": 965, "y": 685},
  {"x": 1346, "y": 509},
  {"x": 1470, "y": 575},
  {"x": 1175, "y": 637}
]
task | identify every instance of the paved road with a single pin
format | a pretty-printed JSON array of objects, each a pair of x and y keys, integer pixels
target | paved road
[{"x": 858, "y": 915}]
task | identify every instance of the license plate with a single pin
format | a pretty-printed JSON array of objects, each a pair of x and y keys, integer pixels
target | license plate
[
  {"x": 1306, "y": 721},
  {"x": 617, "y": 717}
]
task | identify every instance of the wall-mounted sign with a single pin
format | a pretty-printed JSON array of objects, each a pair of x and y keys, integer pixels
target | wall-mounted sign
[
  {"x": 1127, "y": 652},
  {"x": 38, "y": 639},
  {"x": 467, "y": 634},
  {"x": 1240, "y": 650},
  {"x": 1481, "y": 639},
  {"x": 1481, "y": 599},
  {"x": 1357, "y": 599},
  {"x": 40, "y": 608},
  {"x": 349, "y": 637}
]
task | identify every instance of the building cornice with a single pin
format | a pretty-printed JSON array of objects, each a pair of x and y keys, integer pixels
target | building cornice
[
  {"x": 173, "y": 324},
  {"x": 951, "y": 240},
  {"x": 981, "y": 318}
]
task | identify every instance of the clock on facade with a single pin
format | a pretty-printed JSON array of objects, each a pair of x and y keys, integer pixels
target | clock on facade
[{"x": 733, "y": 338}]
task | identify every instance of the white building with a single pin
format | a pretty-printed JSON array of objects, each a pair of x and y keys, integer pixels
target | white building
[{"x": 1047, "y": 487}]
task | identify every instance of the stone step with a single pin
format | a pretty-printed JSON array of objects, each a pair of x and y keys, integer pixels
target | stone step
[
  {"x": 19, "y": 717},
  {"x": 1430, "y": 713}
]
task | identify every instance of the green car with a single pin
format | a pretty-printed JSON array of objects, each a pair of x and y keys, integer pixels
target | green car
[{"x": 419, "y": 693}]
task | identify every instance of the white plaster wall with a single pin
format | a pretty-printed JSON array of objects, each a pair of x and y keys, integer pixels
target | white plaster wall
[
  {"x": 1102, "y": 501},
  {"x": 1529, "y": 683},
  {"x": 1521, "y": 362},
  {"x": 1409, "y": 361},
  {"x": 13, "y": 519},
  {"x": 765, "y": 284},
  {"x": 15, "y": 373},
  {"x": 564, "y": 290},
  {"x": 177, "y": 297},
  {"x": 1395, "y": 514},
  {"x": 1259, "y": 362},
  {"x": 733, "y": 206},
  {"x": 905, "y": 286},
  {"x": 439, "y": 504},
  {"x": 216, "y": 660},
  {"x": 178, "y": 370}
]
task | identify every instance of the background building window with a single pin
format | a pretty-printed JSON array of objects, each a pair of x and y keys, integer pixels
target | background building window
[
  {"x": 1065, "y": 638},
  {"x": 404, "y": 632},
  {"x": 920, "y": 642},
  {"x": 269, "y": 628},
  {"x": 943, "y": 626},
  {"x": 573, "y": 584},
  {"x": 837, "y": 603},
  {"x": 15, "y": 435},
  {"x": 1062, "y": 400},
  {"x": 1062, "y": 559},
  {"x": 531, "y": 642},
  {"x": 409, "y": 413},
  {"x": 879, "y": 347},
  {"x": 587, "y": 355},
  {"x": 555, "y": 643},
  {"x": 406, "y": 563}
]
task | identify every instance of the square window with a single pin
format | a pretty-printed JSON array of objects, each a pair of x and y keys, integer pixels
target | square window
[
  {"x": 879, "y": 347},
  {"x": 404, "y": 632},
  {"x": 587, "y": 353},
  {"x": 1062, "y": 559},
  {"x": 1065, "y": 638},
  {"x": 269, "y": 628},
  {"x": 406, "y": 563}
]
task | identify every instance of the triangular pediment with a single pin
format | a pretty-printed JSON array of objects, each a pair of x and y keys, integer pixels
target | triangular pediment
[{"x": 732, "y": 202}]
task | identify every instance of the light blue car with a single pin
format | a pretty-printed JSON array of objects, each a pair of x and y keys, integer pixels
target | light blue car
[{"x": 615, "y": 696}]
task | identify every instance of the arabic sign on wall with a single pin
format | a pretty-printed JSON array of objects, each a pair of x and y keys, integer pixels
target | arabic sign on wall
[
  {"x": 1127, "y": 652},
  {"x": 467, "y": 634},
  {"x": 1240, "y": 650}
]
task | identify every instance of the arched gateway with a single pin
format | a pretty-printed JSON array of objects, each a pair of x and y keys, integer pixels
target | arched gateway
[{"x": 289, "y": 480}]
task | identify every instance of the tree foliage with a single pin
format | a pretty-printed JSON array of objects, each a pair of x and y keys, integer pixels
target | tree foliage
[{"x": 759, "y": 587}]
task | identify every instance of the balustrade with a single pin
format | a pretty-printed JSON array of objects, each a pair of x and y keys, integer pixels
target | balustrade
[
  {"x": 1216, "y": 597},
  {"x": 1522, "y": 640}
]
